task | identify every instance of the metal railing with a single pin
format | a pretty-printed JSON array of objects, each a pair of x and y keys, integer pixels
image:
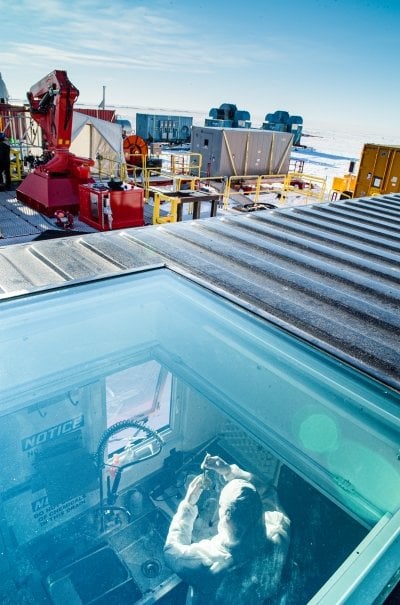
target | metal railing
[
  {"x": 185, "y": 163},
  {"x": 308, "y": 186},
  {"x": 181, "y": 171},
  {"x": 177, "y": 168},
  {"x": 107, "y": 167},
  {"x": 192, "y": 200}
]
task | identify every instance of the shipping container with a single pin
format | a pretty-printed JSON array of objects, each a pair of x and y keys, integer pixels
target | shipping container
[
  {"x": 241, "y": 152},
  {"x": 379, "y": 170},
  {"x": 163, "y": 128}
]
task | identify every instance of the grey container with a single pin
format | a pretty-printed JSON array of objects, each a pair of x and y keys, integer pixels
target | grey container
[
  {"x": 163, "y": 128},
  {"x": 241, "y": 152}
]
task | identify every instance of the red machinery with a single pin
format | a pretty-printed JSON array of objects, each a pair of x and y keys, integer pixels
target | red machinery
[
  {"x": 55, "y": 183},
  {"x": 105, "y": 209}
]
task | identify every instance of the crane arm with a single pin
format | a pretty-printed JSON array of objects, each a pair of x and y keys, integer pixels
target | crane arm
[{"x": 51, "y": 103}]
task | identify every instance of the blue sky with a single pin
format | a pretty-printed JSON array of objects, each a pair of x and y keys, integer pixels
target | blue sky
[{"x": 334, "y": 62}]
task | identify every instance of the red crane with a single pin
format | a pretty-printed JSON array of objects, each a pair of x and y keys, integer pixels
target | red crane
[{"x": 55, "y": 183}]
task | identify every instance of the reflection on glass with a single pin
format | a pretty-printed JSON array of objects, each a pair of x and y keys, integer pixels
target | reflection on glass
[
  {"x": 82, "y": 485},
  {"x": 142, "y": 392}
]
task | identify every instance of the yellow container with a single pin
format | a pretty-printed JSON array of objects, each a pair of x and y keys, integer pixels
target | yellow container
[{"x": 379, "y": 170}]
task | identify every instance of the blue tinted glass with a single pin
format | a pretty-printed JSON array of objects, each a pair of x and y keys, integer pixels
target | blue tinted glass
[
  {"x": 306, "y": 404},
  {"x": 112, "y": 391}
]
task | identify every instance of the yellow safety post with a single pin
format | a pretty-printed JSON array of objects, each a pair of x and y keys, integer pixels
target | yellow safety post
[
  {"x": 123, "y": 172},
  {"x": 156, "y": 211},
  {"x": 258, "y": 189},
  {"x": 15, "y": 165},
  {"x": 227, "y": 192},
  {"x": 195, "y": 167}
]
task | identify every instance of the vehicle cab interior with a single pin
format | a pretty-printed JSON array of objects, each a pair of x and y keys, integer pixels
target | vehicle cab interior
[{"x": 112, "y": 392}]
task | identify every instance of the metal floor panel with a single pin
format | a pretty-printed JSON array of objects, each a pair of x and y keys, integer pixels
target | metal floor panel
[
  {"x": 14, "y": 223},
  {"x": 21, "y": 224}
]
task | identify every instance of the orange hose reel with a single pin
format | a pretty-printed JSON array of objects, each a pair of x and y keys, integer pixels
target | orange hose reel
[{"x": 134, "y": 150}]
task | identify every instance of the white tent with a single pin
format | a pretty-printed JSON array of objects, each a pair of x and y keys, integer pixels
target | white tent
[{"x": 99, "y": 140}]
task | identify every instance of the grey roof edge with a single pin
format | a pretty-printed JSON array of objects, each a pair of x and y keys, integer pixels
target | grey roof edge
[
  {"x": 247, "y": 266},
  {"x": 382, "y": 373}
]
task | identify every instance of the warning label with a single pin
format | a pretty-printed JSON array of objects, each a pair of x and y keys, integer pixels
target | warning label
[
  {"x": 45, "y": 514},
  {"x": 54, "y": 432},
  {"x": 29, "y": 517}
]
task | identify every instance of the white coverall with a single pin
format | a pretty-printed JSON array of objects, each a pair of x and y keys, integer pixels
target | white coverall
[{"x": 218, "y": 575}]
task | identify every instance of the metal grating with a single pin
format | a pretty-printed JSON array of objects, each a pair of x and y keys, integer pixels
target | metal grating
[
  {"x": 21, "y": 224},
  {"x": 12, "y": 225}
]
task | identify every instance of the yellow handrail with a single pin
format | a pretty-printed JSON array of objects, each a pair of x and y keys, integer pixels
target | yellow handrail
[
  {"x": 305, "y": 185},
  {"x": 185, "y": 163},
  {"x": 183, "y": 172},
  {"x": 190, "y": 199},
  {"x": 254, "y": 183},
  {"x": 110, "y": 166},
  {"x": 173, "y": 213}
]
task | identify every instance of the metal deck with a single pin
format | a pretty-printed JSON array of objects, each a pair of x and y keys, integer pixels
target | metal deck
[
  {"x": 327, "y": 273},
  {"x": 19, "y": 223},
  {"x": 17, "y": 220}
]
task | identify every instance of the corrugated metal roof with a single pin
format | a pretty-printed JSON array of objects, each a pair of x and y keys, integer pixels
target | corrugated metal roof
[{"x": 328, "y": 273}]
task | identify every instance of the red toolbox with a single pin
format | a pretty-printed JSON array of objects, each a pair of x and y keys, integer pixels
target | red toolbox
[{"x": 106, "y": 209}]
